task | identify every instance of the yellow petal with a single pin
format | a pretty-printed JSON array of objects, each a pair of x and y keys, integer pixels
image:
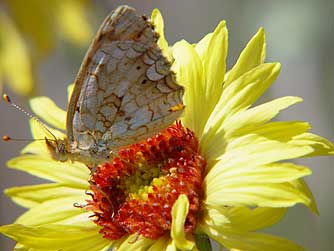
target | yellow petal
[
  {"x": 254, "y": 194},
  {"x": 53, "y": 212},
  {"x": 275, "y": 131},
  {"x": 244, "y": 92},
  {"x": 74, "y": 174},
  {"x": 301, "y": 185},
  {"x": 252, "y": 56},
  {"x": 321, "y": 146},
  {"x": 73, "y": 22},
  {"x": 179, "y": 214},
  {"x": 158, "y": 22},
  {"x": 251, "y": 118},
  {"x": 202, "y": 46},
  {"x": 239, "y": 96},
  {"x": 189, "y": 73},
  {"x": 254, "y": 242},
  {"x": 46, "y": 109},
  {"x": 213, "y": 54},
  {"x": 160, "y": 244},
  {"x": 15, "y": 64},
  {"x": 242, "y": 218},
  {"x": 259, "y": 114},
  {"x": 246, "y": 219},
  {"x": 171, "y": 246},
  {"x": 282, "y": 131},
  {"x": 36, "y": 147},
  {"x": 20, "y": 247},
  {"x": 254, "y": 150},
  {"x": 269, "y": 173},
  {"x": 65, "y": 238},
  {"x": 31, "y": 196},
  {"x": 214, "y": 218},
  {"x": 135, "y": 243},
  {"x": 83, "y": 219},
  {"x": 38, "y": 132}
]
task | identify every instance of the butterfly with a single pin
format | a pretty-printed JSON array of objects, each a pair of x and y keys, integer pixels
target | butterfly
[{"x": 124, "y": 92}]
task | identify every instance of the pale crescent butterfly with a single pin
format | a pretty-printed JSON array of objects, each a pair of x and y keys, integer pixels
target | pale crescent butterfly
[{"x": 124, "y": 92}]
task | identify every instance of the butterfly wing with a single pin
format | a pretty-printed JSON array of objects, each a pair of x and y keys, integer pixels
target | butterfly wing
[{"x": 125, "y": 90}]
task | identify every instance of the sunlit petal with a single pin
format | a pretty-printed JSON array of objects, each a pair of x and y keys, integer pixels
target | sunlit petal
[
  {"x": 56, "y": 236},
  {"x": 252, "y": 56},
  {"x": 74, "y": 174},
  {"x": 179, "y": 214},
  {"x": 159, "y": 27},
  {"x": 189, "y": 69},
  {"x": 46, "y": 109},
  {"x": 31, "y": 196}
]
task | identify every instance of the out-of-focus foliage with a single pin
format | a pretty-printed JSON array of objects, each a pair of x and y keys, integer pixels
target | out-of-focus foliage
[
  {"x": 30, "y": 30},
  {"x": 15, "y": 63}
]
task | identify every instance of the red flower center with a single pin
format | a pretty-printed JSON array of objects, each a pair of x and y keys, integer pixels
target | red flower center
[{"x": 136, "y": 191}]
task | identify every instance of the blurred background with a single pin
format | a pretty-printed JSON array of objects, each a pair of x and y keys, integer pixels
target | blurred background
[{"x": 42, "y": 44}]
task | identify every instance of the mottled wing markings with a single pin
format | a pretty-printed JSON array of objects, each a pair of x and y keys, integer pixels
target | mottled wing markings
[{"x": 125, "y": 89}]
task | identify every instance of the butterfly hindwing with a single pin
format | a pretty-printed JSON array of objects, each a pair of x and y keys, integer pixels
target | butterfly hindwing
[{"x": 125, "y": 89}]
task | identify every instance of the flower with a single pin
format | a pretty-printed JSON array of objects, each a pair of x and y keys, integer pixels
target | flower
[
  {"x": 37, "y": 24},
  {"x": 222, "y": 172}
]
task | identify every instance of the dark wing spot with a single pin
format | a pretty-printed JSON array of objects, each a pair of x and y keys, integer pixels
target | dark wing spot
[{"x": 144, "y": 81}]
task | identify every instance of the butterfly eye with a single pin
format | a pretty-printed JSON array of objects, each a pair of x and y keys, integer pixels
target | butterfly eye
[{"x": 61, "y": 148}]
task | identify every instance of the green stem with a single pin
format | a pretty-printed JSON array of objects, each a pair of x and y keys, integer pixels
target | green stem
[{"x": 203, "y": 242}]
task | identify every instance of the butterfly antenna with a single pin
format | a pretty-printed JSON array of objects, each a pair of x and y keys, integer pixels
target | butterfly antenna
[
  {"x": 8, "y": 138},
  {"x": 44, "y": 126}
]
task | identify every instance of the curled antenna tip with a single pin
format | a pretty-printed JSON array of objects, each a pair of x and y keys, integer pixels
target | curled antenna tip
[
  {"x": 6, "y": 138},
  {"x": 6, "y": 98}
]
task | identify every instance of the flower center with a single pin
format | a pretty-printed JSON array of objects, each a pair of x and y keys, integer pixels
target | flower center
[{"x": 136, "y": 191}]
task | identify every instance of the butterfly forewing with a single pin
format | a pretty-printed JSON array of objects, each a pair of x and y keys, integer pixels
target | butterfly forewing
[{"x": 125, "y": 89}]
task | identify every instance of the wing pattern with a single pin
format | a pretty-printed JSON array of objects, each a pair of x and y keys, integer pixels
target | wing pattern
[{"x": 125, "y": 89}]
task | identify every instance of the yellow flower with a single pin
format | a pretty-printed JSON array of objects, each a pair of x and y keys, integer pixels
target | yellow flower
[
  {"x": 247, "y": 183},
  {"x": 38, "y": 24}
]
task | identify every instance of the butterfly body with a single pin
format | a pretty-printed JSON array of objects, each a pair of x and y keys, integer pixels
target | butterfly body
[{"x": 124, "y": 91}]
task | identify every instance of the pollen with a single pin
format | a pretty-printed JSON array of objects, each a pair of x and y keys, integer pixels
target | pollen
[{"x": 134, "y": 193}]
